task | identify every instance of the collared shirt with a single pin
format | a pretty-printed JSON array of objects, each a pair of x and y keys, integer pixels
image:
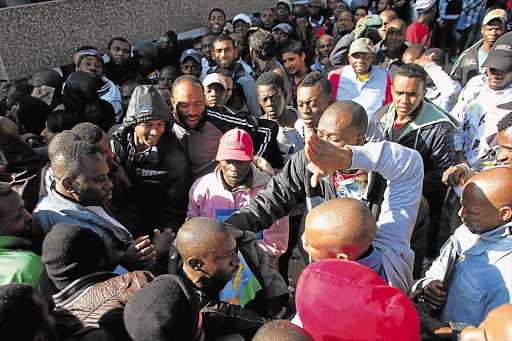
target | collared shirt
[
  {"x": 372, "y": 94},
  {"x": 483, "y": 273}
]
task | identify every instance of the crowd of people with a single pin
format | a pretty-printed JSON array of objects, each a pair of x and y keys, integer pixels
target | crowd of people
[{"x": 158, "y": 190}]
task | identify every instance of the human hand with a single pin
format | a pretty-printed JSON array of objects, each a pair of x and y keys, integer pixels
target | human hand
[
  {"x": 472, "y": 333},
  {"x": 434, "y": 296},
  {"x": 425, "y": 60},
  {"x": 139, "y": 254},
  {"x": 326, "y": 157},
  {"x": 162, "y": 242},
  {"x": 454, "y": 176},
  {"x": 360, "y": 23}
]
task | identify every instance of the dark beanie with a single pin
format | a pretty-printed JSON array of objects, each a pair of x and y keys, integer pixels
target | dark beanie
[
  {"x": 71, "y": 252},
  {"x": 166, "y": 309}
]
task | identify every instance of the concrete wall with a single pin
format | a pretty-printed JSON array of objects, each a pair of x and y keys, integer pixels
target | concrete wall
[{"x": 45, "y": 35}]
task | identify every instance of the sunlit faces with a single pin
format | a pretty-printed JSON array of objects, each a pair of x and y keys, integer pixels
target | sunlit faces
[
  {"x": 92, "y": 187},
  {"x": 345, "y": 23},
  {"x": 395, "y": 36},
  {"x": 207, "y": 47},
  {"x": 272, "y": 100},
  {"x": 147, "y": 134},
  {"x": 104, "y": 148},
  {"x": 267, "y": 19},
  {"x": 189, "y": 104},
  {"x": 92, "y": 66},
  {"x": 492, "y": 31},
  {"x": 407, "y": 94},
  {"x": 215, "y": 95},
  {"x": 216, "y": 22},
  {"x": 234, "y": 172},
  {"x": 505, "y": 142},
  {"x": 499, "y": 80},
  {"x": 282, "y": 11},
  {"x": 224, "y": 53},
  {"x": 324, "y": 46},
  {"x": 240, "y": 26},
  {"x": 311, "y": 103},
  {"x": 119, "y": 52},
  {"x": 293, "y": 62},
  {"x": 336, "y": 130},
  {"x": 361, "y": 62},
  {"x": 221, "y": 261}
]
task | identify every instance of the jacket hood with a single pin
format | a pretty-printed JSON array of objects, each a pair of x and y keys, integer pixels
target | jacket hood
[
  {"x": 146, "y": 105},
  {"x": 429, "y": 114}
]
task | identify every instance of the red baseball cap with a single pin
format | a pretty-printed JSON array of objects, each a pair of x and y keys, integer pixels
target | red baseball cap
[
  {"x": 344, "y": 300},
  {"x": 236, "y": 144}
]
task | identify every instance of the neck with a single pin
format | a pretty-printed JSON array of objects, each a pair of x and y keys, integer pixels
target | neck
[
  {"x": 423, "y": 20},
  {"x": 260, "y": 63},
  {"x": 486, "y": 47},
  {"x": 64, "y": 192},
  {"x": 299, "y": 75},
  {"x": 197, "y": 278}
]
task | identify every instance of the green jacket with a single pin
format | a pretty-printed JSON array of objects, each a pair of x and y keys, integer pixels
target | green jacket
[{"x": 19, "y": 265}]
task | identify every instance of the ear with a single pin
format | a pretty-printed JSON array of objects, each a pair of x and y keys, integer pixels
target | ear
[
  {"x": 195, "y": 263},
  {"x": 303, "y": 56},
  {"x": 67, "y": 183},
  {"x": 506, "y": 213},
  {"x": 236, "y": 52},
  {"x": 424, "y": 91},
  {"x": 361, "y": 139}
]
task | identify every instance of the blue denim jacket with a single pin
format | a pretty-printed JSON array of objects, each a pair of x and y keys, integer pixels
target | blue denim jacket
[{"x": 483, "y": 274}]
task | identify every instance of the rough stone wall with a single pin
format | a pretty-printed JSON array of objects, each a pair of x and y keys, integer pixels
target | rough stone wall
[{"x": 45, "y": 35}]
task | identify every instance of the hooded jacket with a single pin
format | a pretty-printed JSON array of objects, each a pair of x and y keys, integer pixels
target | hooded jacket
[
  {"x": 208, "y": 194},
  {"x": 431, "y": 133},
  {"x": 159, "y": 175},
  {"x": 391, "y": 257},
  {"x": 466, "y": 66}
]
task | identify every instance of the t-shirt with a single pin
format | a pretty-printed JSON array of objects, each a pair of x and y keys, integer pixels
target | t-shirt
[
  {"x": 418, "y": 34},
  {"x": 482, "y": 56}
]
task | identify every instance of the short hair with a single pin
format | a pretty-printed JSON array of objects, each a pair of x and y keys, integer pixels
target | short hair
[
  {"x": 263, "y": 44},
  {"x": 68, "y": 161},
  {"x": 317, "y": 78},
  {"x": 412, "y": 70},
  {"x": 60, "y": 120},
  {"x": 194, "y": 236},
  {"x": 101, "y": 113},
  {"x": 186, "y": 78},
  {"x": 269, "y": 78},
  {"x": 363, "y": 7},
  {"x": 223, "y": 71},
  {"x": 295, "y": 47},
  {"x": 5, "y": 189},
  {"x": 224, "y": 37},
  {"x": 217, "y": 10},
  {"x": 439, "y": 55},
  {"x": 505, "y": 123},
  {"x": 345, "y": 11},
  {"x": 358, "y": 116},
  {"x": 281, "y": 330},
  {"x": 60, "y": 141},
  {"x": 119, "y": 39},
  {"x": 85, "y": 47},
  {"x": 21, "y": 317},
  {"x": 32, "y": 114},
  {"x": 88, "y": 132},
  {"x": 21, "y": 90}
]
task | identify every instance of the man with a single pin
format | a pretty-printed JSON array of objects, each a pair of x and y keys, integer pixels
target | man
[
  {"x": 442, "y": 90},
  {"x": 241, "y": 23},
  {"x": 18, "y": 264},
  {"x": 283, "y": 10},
  {"x": 338, "y": 154},
  {"x": 207, "y": 61},
  {"x": 24, "y": 315},
  {"x": 201, "y": 129},
  {"x": 242, "y": 52},
  {"x": 90, "y": 61},
  {"x": 211, "y": 256},
  {"x": 48, "y": 78},
  {"x": 168, "y": 75},
  {"x": 234, "y": 182},
  {"x": 324, "y": 47},
  {"x": 387, "y": 16},
  {"x": 120, "y": 67},
  {"x": 80, "y": 191},
  {"x": 316, "y": 19},
  {"x": 344, "y": 25},
  {"x": 361, "y": 82},
  {"x": 420, "y": 32},
  {"x": 478, "y": 107},
  {"x": 295, "y": 65},
  {"x": 383, "y": 5},
  {"x": 215, "y": 91},
  {"x": 262, "y": 49},
  {"x": 271, "y": 95},
  {"x": 225, "y": 55},
  {"x": 190, "y": 63},
  {"x": 390, "y": 50},
  {"x": 283, "y": 34},
  {"x": 267, "y": 19},
  {"x": 314, "y": 96},
  {"x": 155, "y": 162},
  {"x": 145, "y": 55},
  {"x": 472, "y": 275},
  {"x": 216, "y": 21},
  {"x": 127, "y": 90},
  {"x": 470, "y": 62}
]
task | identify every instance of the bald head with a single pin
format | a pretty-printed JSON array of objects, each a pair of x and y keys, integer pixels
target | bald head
[
  {"x": 388, "y": 15},
  {"x": 356, "y": 113},
  {"x": 9, "y": 126},
  {"x": 399, "y": 24},
  {"x": 47, "y": 77},
  {"x": 195, "y": 236},
  {"x": 339, "y": 228},
  {"x": 412, "y": 53},
  {"x": 495, "y": 184}
]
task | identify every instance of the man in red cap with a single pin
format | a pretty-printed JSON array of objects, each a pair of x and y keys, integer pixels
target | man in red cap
[{"x": 236, "y": 180}]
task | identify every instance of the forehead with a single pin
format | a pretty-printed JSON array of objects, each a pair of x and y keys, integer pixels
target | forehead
[
  {"x": 10, "y": 204},
  {"x": 216, "y": 14},
  {"x": 188, "y": 92},
  {"x": 324, "y": 40},
  {"x": 90, "y": 59},
  {"x": 229, "y": 80},
  {"x": 396, "y": 26},
  {"x": 494, "y": 23},
  {"x": 308, "y": 92},
  {"x": 94, "y": 166},
  {"x": 345, "y": 15},
  {"x": 290, "y": 55},
  {"x": 404, "y": 83},
  {"x": 334, "y": 123},
  {"x": 151, "y": 122},
  {"x": 215, "y": 86},
  {"x": 221, "y": 243},
  {"x": 267, "y": 12},
  {"x": 223, "y": 44},
  {"x": 119, "y": 43},
  {"x": 268, "y": 88},
  {"x": 189, "y": 61}
]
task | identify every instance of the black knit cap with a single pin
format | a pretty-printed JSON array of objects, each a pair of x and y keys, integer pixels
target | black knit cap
[
  {"x": 71, "y": 252},
  {"x": 166, "y": 309}
]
